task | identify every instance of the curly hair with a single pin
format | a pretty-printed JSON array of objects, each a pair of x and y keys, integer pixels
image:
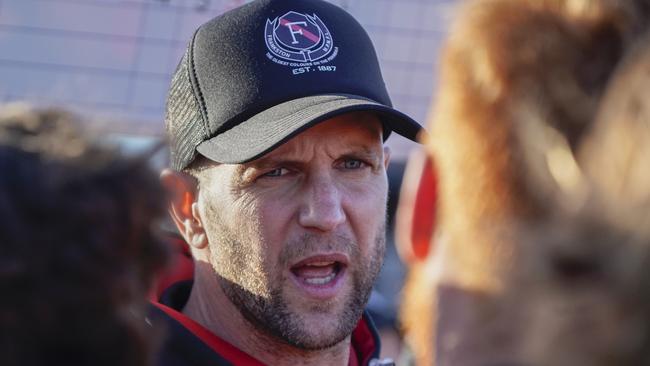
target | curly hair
[{"x": 78, "y": 244}]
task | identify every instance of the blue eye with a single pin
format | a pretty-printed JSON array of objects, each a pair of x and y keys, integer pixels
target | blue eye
[{"x": 353, "y": 164}]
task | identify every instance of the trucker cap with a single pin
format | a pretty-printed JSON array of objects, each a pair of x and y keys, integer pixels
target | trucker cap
[{"x": 255, "y": 76}]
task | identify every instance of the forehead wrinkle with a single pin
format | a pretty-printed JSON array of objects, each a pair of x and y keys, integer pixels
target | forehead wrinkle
[
  {"x": 305, "y": 151},
  {"x": 303, "y": 146},
  {"x": 357, "y": 138}
]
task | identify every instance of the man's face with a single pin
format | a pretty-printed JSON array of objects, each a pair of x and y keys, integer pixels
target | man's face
[{"x": 296, "y": 237}]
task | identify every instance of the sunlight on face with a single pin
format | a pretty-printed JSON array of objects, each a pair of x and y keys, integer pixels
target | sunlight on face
[{"x": 297, "y": 236}]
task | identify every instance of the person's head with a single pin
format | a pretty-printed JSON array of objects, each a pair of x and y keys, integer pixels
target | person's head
[
  {"x": 515, "y": 75},
  {"x": 277, "y": 116},
  {"x": 582, "y": 281},
  {"x": 78, "y": 248}
]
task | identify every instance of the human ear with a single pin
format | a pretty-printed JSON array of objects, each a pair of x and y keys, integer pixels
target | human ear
[
  {"x": 387, "y": 153},
  {"x": 183, "y": 206},
  {"x": 416, "y": 211}
]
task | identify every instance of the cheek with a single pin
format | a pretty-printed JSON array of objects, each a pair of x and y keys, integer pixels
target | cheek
[
  {"x": 242, "y": 217},
  {"x": 275, "y": 218},
  {"x": 366, "y": 212}
]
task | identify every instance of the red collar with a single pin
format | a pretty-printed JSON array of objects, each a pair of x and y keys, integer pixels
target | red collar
[
  {"x": 223, "y": 348},
  {"x": 362, "y": 341}
]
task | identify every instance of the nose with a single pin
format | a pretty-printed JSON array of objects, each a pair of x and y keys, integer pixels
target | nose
[{"x": 322, "y": 207}]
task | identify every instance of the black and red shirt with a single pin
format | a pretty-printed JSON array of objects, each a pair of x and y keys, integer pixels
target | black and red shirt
[{"x": 188, "y": 343}]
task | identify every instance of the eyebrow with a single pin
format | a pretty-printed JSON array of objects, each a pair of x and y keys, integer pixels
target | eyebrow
[
  {"x": 270, "y": 162},
  {"x": 243, "y": 171},
  {"x": 362, "y": 152}
]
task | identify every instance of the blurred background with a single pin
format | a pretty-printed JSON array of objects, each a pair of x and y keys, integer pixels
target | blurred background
[{"x": 112, "y": 60}]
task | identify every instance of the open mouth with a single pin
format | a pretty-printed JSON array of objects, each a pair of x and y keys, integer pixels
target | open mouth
[
  {"x": 320, "y": 271},
  {"x": 317, "y": 273}
]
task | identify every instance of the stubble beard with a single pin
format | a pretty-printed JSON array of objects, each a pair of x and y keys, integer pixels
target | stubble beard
[{"x": 259, "y": 298}]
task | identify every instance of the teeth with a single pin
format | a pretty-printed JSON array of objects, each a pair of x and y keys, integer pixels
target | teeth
[
  {"x": 320, "y": 264},
  {"x": 320, "y": 280}
]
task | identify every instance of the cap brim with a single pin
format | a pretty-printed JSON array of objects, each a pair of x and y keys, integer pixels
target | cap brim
[{"x": 267, "y": 130}]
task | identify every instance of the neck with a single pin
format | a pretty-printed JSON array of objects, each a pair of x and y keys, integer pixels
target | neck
[{"x": 210, "y": 307}]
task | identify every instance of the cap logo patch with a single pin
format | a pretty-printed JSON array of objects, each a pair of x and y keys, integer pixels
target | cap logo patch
[{"x": 299, "y": 40}]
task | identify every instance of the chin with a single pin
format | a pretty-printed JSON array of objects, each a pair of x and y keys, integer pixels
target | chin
[
  {"x": 321, "y": 335},
  {"x": 322, "y": 326}
]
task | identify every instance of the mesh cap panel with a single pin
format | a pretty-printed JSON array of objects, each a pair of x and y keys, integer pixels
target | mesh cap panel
[{"x": 183, "y": 119}]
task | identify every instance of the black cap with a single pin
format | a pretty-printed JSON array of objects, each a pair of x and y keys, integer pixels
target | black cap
[{"x": 259, "y": 74}]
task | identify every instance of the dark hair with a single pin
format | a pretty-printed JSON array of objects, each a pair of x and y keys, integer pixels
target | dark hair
[{"x": 78, "y": 245}]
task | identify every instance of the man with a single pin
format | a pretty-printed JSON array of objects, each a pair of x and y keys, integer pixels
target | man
[
  {"x": 78, "y": 245},
  {"x": 276, "y": 116},
  {"x": 522, "y": 193}
]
